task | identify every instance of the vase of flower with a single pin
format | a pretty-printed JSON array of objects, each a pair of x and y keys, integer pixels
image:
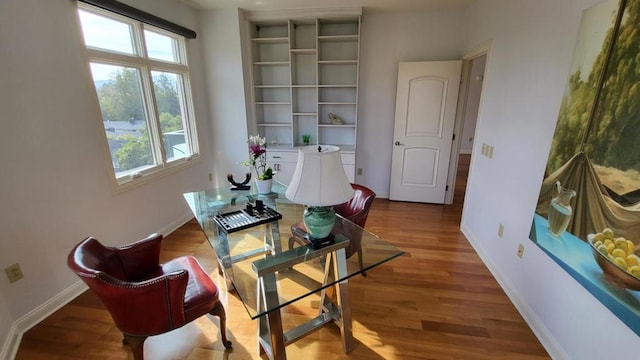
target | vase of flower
[
  {"x": 264, "y": 186},
  {"x": 258, "y": 162}
]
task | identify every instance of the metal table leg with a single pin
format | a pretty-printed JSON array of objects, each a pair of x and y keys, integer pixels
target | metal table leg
[{"x": 270, "y": 333}]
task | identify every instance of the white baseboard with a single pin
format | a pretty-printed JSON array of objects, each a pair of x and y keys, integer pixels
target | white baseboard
[
  {"x": 32, "y": 318},
  {"x": 555, "y": 349},
  {"x": 35, "y": 316},
  {"x": 11, "y": 343},
  {"x": 169, "y": 228}
]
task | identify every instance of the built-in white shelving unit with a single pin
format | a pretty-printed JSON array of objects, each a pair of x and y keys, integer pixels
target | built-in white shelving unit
[{"x": 304, "y": 69}]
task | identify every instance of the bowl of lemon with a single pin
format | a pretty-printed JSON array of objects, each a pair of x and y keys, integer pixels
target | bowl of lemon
[{"x": 617, "y": 258}]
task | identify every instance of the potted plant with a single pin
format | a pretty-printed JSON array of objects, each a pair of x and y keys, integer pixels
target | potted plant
[
  {"x": 306, "y": 138},
  {"x": 258, "y": 162}
]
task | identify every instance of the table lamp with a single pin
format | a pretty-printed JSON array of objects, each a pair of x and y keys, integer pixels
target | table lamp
[{"x": 319, "y": 182}]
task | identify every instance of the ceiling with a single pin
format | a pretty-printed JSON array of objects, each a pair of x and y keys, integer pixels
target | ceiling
[{"x": 369, "y": 6}]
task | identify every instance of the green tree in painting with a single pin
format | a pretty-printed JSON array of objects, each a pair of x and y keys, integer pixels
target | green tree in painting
[{"x": 612, "y": 140}]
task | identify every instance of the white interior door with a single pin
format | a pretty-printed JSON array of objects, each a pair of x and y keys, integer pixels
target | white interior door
[{"x": 426, "y": 101}]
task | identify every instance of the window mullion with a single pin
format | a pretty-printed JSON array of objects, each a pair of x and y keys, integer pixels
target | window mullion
[
  {"x": 115, "y": 58},
  {"x": 155, "y": 129},
  {"x": 189, "y": 122},
  {"x": 150, "y": 99}
]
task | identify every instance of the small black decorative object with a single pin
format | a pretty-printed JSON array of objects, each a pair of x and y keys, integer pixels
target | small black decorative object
[{"x": 240, "y": 186}]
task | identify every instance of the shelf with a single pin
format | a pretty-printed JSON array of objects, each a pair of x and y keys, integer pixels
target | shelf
[
  {"x": 304, "y": 86},
  {"x": 272, "y": 103},
  {"x": 271, "y": 63},
  {"x": 336, "y": 103},
  {"x": 275, "y": 124},
  {"x": 304, "y": 114},
  {"x": 271, "y": 86},
  {"x": 304, "y": 51},
  {"x": 337, "y": 126},
  {"x": 271, "y": 40},
  {"x": 338, "y": 86},
  {"x": 338, "y": 62},
  {"x": 338, "y": 38}
]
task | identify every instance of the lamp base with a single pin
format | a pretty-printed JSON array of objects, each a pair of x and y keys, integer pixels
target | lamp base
[
  {"x": 319, "y": 221},
  {"x": 320, "y": 243}
]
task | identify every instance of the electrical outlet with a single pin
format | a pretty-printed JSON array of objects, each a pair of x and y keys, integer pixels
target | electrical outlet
[
  {"x": 13, "y": 273},
  {"x": 500, "y": 230},
  {"x": 520, "y": 250},
  {"x": 359, "y": 172},
  {"x": 490, "y": 152}
]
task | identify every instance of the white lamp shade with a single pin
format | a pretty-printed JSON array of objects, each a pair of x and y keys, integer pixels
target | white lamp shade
[{"x": 319, "y": 178}]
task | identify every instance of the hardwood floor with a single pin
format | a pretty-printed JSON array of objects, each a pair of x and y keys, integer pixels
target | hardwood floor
[{"x": 438, "y": 301}]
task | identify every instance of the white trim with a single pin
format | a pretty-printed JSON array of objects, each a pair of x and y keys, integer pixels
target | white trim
[
  {"x": 32, "y": 318},
  {"x": 482, "y": 49},
  {"x": 267, "y": 15},
  {"x": 11, "y": 343},
  {"x": 553, "y": 347},
  {"x": 35, "y": 316}
]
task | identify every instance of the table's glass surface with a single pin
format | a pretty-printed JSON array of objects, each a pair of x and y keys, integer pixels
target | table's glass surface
[{"x": 293, "y": 283}]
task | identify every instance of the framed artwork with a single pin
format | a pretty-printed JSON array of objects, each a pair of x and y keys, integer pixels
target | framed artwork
[{"x": 588, "y": 214}]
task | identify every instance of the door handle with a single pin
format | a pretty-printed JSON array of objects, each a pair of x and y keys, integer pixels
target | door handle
[{"x": 398, "y": 143}]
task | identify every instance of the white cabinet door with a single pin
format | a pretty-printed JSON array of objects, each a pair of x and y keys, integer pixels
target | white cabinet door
[
  {"x": 349, "y": 165},
  {"x": 285, "y": 172},
  {"x": 283, "y": 163}
]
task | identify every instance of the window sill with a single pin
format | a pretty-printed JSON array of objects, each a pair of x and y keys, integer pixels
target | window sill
[{"x": 126, "y": 183}]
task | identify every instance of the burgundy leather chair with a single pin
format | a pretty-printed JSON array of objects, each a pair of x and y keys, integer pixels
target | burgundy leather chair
[
  {"x": 356, "y": 210},
  {"x": 144, "y": 297}
]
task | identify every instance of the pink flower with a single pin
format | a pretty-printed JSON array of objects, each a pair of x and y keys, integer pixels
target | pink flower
[{"x": 258, "y": 157}]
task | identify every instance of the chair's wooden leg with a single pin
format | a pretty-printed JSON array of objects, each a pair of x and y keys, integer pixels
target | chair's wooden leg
[
  {"x": 137, "y": 345},
  {"x": 291, "y": 241},
  {"x": 364, "y": 273},
  {"x": 218, "y": 311}
]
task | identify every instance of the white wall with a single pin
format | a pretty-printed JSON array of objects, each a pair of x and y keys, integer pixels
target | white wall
[
  {"x": 388, "y": 39},
  {"x": 223, "y": 54},
  {"x": 528, "y": 65},
  {"x": 54, "y": 187}
]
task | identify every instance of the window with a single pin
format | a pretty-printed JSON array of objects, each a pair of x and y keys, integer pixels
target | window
[{"x": 141, "y": 78}]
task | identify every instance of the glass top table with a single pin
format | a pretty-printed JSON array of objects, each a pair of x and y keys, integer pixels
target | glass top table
[{"x": 266, "y": 274}]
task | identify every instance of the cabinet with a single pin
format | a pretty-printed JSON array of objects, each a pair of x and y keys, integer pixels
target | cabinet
[
  {"x": 283, "y": 163},
  {"x": 304, "y": 73}
]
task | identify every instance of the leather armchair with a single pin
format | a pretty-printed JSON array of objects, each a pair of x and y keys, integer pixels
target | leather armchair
[
  {"x": 144, "y": 297},
  {"x": 356, "y": 210}
]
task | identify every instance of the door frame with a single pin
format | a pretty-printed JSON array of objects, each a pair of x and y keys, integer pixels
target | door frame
[{"x": 484, "y": 49}]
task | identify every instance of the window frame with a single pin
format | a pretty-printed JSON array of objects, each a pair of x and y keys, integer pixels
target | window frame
[{"x": 146, "y": 65}]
